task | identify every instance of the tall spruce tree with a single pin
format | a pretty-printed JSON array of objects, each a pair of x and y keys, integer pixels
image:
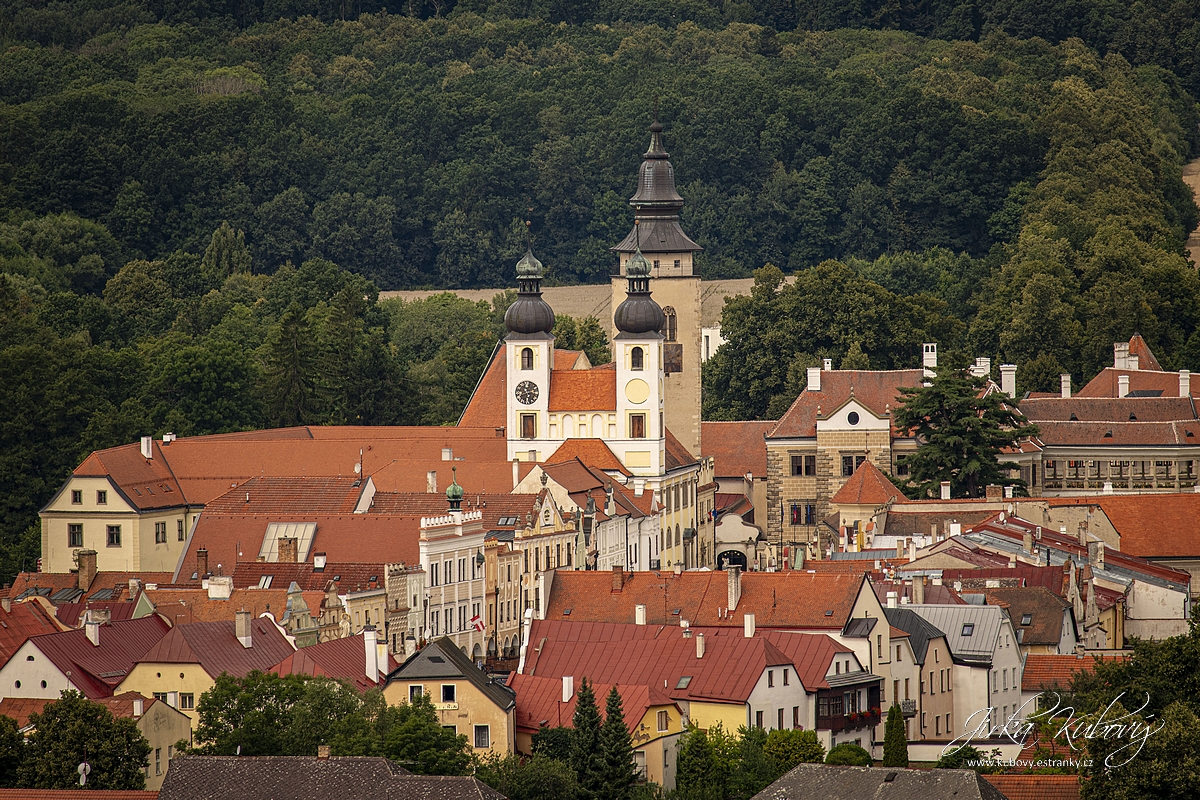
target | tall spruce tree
[
  {"x": 226, "y": 254},
  {"x": 895, "y": 741},
  {"x": 620, "y": 776},
  {"x": 587, "y": 757},
  {"x": 961, "y": 431}
]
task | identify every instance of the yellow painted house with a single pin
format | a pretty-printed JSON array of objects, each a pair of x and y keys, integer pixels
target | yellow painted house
[{"x": 464, "y": 697}]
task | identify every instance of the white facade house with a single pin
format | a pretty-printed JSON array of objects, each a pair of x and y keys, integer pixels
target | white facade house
[{"x": 451, "y": 548}]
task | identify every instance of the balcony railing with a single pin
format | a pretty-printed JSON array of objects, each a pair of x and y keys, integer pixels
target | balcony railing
[
  {"x": 848, "y": 722},
  {"x": 908, "y": 708}
]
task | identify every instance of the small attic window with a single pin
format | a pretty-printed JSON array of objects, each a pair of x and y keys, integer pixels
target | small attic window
[
  {"x": 1132, "y": 417},
  {"x": 829, "y": 612},
  {"x": 195, "y": 575},
  {"x": 437, "y": 659},
  {"x": 1073, "y": 417},
  {"x": 1188, "y": 434},
  {"x": 675, "y": 612},
  {"x": 1026, "y": 619},
  {"x": 337, "y": 578},
  {"x": 566, "y": 612},
  {"x": 683, "y": 682},
  {"x": 264, "y": 582},
  {"x": 968, "y": 628},
  {"x": 1108, "y": 434},
  {"x": 373, "y": 578}
]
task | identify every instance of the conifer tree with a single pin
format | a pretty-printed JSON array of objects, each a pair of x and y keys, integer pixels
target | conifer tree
[
  {"x": 226, "y": 254},
  {"x": 620, "y": 776},
  {"x": 587, "y": 758},
  {"x": 895, "y": 741}
]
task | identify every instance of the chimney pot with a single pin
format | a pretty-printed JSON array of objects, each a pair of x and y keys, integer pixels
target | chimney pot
[
  {"x": 1064, "y": 381},
  {"x": 1133, "y": 361},
  {"x": 891, "y": 599},
  {"x": 945, "y": 490},
  {"x": 1121, "y": 355},
  {"x": 243, "y": 629},
  {"x": 748, "y": 625},
  {"x": 814, "y": 379},
  {"x": 1122, "y": 385},
  {"x": 700, "y": 645},
  {"x": 827, "y": 364}
]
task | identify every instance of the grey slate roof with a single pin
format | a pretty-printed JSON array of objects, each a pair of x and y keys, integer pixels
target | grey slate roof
[
  {"x": 976, "y": 648},
  {"x": 309, "y": 778},
  {"x": 827, "y": 782},
  {"x": 919, "y": 631},
  {"x": 443, "y": 659}
]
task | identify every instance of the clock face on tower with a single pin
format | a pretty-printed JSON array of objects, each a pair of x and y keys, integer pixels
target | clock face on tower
[{"x": 527, "y": 392}]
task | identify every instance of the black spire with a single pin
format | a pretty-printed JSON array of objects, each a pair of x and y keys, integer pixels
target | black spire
[
  {"x": 530, "y": 313},
  {"x": 657, "y": 204}
]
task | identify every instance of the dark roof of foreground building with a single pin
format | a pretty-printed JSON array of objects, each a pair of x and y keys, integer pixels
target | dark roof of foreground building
[
  {"x": 441, "y": 658},
  {"x": 828, "y": 782},
  {"x": 310, "y": 778}
]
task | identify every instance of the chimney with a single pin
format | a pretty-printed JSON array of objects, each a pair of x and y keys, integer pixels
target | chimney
[
  {"x": 243, "y": 629},
  {"x": 678, "y": 568},
  {"x": 320, "y": 560},
  {"x": 1121, "y": 355},
  {"x": 447, "y": 454},
  {"x": 1122, "y": 385},
  {"x": 1133, "y": 361},
  {"x": 322, "y": 751},
  {"x": 618, "y": 573},
  {"x": 945, "y": 490},
  {"x": 1027, "y": 541},
  {"x": 929, "y": 358},
  {"x": 994, "y": 493},
  {"x": 814, "y": 379},
  {"x": 1108, "y": 487},
  {"x": 135, "y": 586},
  {"x": 1012, "y": 560},
  {"x": 147, "y": 447},
  {"x": 6, "y": 604},
  {"x": 410, "y": 646},
  {"x": 87, "y": 569},
  {"x": 899, "y": 548},
  {"x": 1185, "y": 383},
  {"x": 139, "y": 707},
  {"x": 91, "y": 629},
  {"x": 733, "y": 576},
  {"x": 568, "y": 688},
  {"x": 919, "y": 589},
  {"x": 372, "y": 654},
  {"x": 827, "y": 365},
  {"x": 516, "y": 464},
  {"x": 1008, "y": 492},
  {"x": 1096, "y": 554},
  {"x": 1008, "y": 379},
  {"x": 1083, "y": 534},
  {"x": 891, "y": 599},
  {"x": 700, "y": 645},
  {"x": 288, "y": 548},
  {"x": 1064, "y": 381},
  {"x": 639, "y": 614},
  {"x": 748, "y": 625},
  {"x": 201, "y": 562},
  {"x": 220, "y": 587},
  {"x": 639, "y": 487}
]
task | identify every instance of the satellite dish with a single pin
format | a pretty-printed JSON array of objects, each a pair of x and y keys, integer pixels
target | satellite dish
[{"x": 84, "y": 769}]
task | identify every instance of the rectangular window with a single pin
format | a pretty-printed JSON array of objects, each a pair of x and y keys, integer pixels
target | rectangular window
[
  {"x": 114, "y": 535},
  {"x": 462, "y": 569},
  {"x": 847, "y": 466},
  {"x": 795, "y": 718},
  {"x": 529, "y": 426},
  {"x": 448, "y": 571},
  {"x": 664, "y": 721},
  {"x": 435, "y": 622},
  {"x": 160, "y": 696},
  {"x": 810, "y": 514},
  {"x": 758, "y": 719},
  {"x": 187, "y": 701},
  {"x": 179, "y": 529},
  {"x": 101, "y": 497},
  {"x": 797, "y": 514},
  {"x": 780, "y": 725},
  {"x": 637, "y": 426},
  {"x": 483, "y": 736},
  {"x": 810, "y": 466},
  {"x": 160, "y": 533},
  {"x": 770, "y": 677},
  {"x": 906, "y": 689},
  {"x": 937, "y": 725},
  {"x": 449, "y": 693},
  {"x": 897, "y": 652},
  {"x": 414, "y": 692},
  {"x": 901, "y": 465},
  {"x": 74, "y": 534},
  {"x": 879, "y": 645},
  {"x": 797, "y": 465},
  {"x": 76, "y": 497},
  {"x": 785, "y": 676},
  {"x": 158, "y": 761}
]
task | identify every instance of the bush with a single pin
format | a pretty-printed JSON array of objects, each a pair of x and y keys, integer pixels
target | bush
[{"x": 847, "y": 754}]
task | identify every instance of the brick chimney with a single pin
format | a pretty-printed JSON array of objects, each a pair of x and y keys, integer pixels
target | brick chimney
[
  {"x": 994, "y": 493},
  {"x": 733, "y": 575},
  {"x": 87, "y": 569},
  {"x": 288, "y": 548},
  {"x": 243, "y": 629},
  {"x": 618, "y": 573},
  {"x": 201, "y": 563}
]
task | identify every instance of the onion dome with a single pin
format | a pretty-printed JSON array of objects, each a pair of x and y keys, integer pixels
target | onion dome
[
  {"x": 638, "y": 313},
  {"x": 529, "y": 313},
  {"x": 454, "y": 492}
]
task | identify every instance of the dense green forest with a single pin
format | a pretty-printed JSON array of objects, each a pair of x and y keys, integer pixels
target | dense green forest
[{"x": 199, "y": 202}]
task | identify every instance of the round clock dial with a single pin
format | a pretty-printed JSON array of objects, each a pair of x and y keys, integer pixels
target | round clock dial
[{"x": 527, "y": 392}]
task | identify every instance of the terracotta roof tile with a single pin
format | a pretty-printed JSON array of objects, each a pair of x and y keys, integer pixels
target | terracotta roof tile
[
  {"x": 875, "y": 389},
  {"x": 540, "y": 700},
  {"x": 215, "y": 647},
  {"x": 186, "y": 606},
  {"x": 495, "y": 507},
  {"x": 677, "y": 455},
  {"x": 1044, "y": 608},
  {"x": 23, "y": 620},
  {"x": 1036, "y": 787},
  {"x": 249, "y": 574},
  {"x": 868, "y": 487},
  {"x": 1049, "y": 671},
  {"x": 1107, "y": 383},
  {"x": 113, "y": 584},
  {"x": 1150, "y": 525},
  {"x": 97, "y": 669},
  {"x": 272, "y": 495},
  {"x": 1108, "y": 409},
  {"x": 488, "y": 404},
  {"x": 340, "y": 659},
  {"x": 1139, "y": 348},
  {"x": 593, "y": 452},
  {"x": 592, "y": 389},
  {"x": 737, "y": 448}
]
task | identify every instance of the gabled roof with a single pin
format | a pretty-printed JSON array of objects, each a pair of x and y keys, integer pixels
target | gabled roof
[
  {"x": 500, "y": 511},
  {"x": 442, "y": 658},
  {"x": 972, "y": 645},
  {"x": 737, "y": 448},
  {"x": 147, "y": 483},
  {"x": 593, "y": 452},
  {"x": 340, "y": 659},
  {"x": 71, "y": 614},
  {"x": 215, "y": 647},
  {"x": 868, "y": 486},
  {"x": 120, "y": 705},
  {"x": 1051, "y": 578},
  {"x": 1108, "y": 409},
  {"x": 540, "y": 700},
  {"x": 183, "y": 606},
  {"x": 249, "y": 574},
  {"x": 1043, "y": 607},
  {"x": 1145, "y": 356},
  {"x": 97, "y": 669},
  {"x": 1057, "y": 671},
  {"x": 272, "y": 495},
  {"x": 920, "y": 631},
  {"x": 1036, "y": 786},
  {"x": 592, "y": 389},
  {"x": 793, "y": 600},
  {"x": 62, "y": 587},
  {"x": 488, "y": 405},
  {"x": 1118, "y": 434},
  {"x": 876, "y": 390},
  {"x": 23, "y": 620},
  {"x": 846, "y": 783},
  {"x": 1150, "y": 525},
  {"x": 677, "y": 455},
  {"x": 934, "y": 594}
]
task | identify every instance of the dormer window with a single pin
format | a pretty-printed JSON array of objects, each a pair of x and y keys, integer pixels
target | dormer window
[
  {"x": 636, "y": 359},
  {"x": 527, "y": 358}
]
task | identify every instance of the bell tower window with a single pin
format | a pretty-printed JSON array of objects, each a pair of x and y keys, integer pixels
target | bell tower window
[
  {"x": 670, "y": 324},
  {"x": 636, "y": 359},
  {"x": 527, "y": 358}
]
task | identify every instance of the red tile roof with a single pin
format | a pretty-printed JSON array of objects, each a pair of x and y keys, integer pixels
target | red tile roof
[
  {"x": 488, "y": 406},
  {"x": 1108, "y": 409},
  {"x": 1048, "y": 671},
  {"x": 874, "y": 389},
  {"x": 495, "y": 507},
  {"x": 793, "y": 600},
  {"x": 20, "y": 708},
  {"x": 1052, "y": 577},
  {"x": 117, "y": 581},
  {"x": 70, "y": 614},
  {"x": 270, "y": 495},
  {"x": 1044, "y": 608},
  {"x": 737, "y": 448},
  {"x": 1107, "y": 383},
  {"x": 1139, "y": 348},
  {"x": 868, "y": 487},
  {"x": 1118, "y": 434},
  {"x": 1150, "y": 525},
  {"x": 76, "y": 794},
  {"x": 540, "y": 700},
  {"x": 934, "y": 595},
  {"x": 248, "y": 575},
  {"x": 1036, "y": 787},
  {"x": 215, "y": 647},
  {"x": 23, "y": 620},
  {"x": 340, "y": 659},
  {"x": 593, "y": 452},
  {"x": 184, "y": 606},
  {"x": 145, "y": 482},
  {"x": 97, "y": 669},
  {"x": 592, "y": 389},
  {"x": 677, "y": 455}
]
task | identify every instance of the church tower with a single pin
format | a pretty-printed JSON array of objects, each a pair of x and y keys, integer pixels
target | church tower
[
  {"x": 638, "y": 353},
  {"x": 658, "y": 238},
  {"x": 529, "y": 353}
]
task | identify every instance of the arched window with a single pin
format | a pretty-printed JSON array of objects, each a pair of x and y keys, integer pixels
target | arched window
[
  {"x": 635, "y": 359},
  {"x": 670, "y": 326},
  {"x": 527, "y": 358}
]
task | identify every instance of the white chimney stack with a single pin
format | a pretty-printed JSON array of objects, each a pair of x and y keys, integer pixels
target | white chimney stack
[
  {"x": 1121, "y": 355},
  {"x": 814, "y": 379},
  {"x": 91, "y": 629},
  {"x": 1122, "y": 385},
  {"x": 700, "y": 645},
  {"x": 1134, "y": 361},
  {"x": 733, "y": 576},
  {"x": 929, "y": 358},
  {"x": 1064, "y": 381},
  {"x": 320, "y": 560},
  {"x": 639, "y": 614},
  {"x": 139, "y": 707},
  {"x": 1008, "y": 379},
  {"x": 243, "y": 629},
  {"x": 147, "y": 447},
  {"x": 1185, "y": 383},
  {"x": 748, "y": 625},
  {"x": 945, "y": 490},
  {"x": 891, "y": 599},
  {"x": 568, "y": 688},
  {"x": 371, "y": 654},
  {"x": 827, "y": 365}
]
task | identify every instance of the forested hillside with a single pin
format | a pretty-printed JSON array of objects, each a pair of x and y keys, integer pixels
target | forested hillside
[{"x": 200, "y": 202}]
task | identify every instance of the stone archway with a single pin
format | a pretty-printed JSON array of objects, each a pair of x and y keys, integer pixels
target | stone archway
[{"x": 734, "y": 558}]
